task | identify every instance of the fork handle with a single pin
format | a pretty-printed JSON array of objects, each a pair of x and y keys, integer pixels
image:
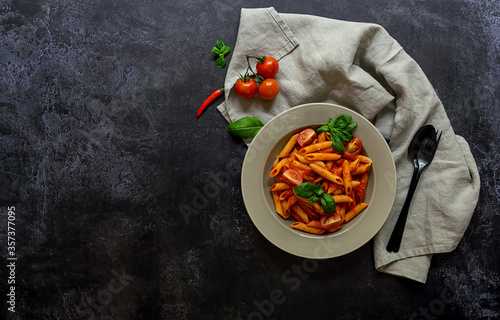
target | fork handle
[{"x": 397, "y": 234}]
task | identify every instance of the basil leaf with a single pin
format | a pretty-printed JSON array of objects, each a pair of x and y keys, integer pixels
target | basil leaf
[
  {"x": 220, "y": 62},
  {"x": 331, "y": 124},
  {"x": 304, "y": 190},
  {"x": 215, "y": 50},
  {"x": 350, "y": 127},
  {"x": 337, "y": 144},
  {"x": 323, "y": 128},
  {"x": 313, "y": 199},
  {"x": 328, "y": 203},
  {"x": 342, "y": 121},
  {"x": 344, "y": 135},
  {"x": 319, "y": 190},
  {"x": 220, "y": 44},
  {"x": 225, "y": 50},
  {"x": 246, "y": 127}
]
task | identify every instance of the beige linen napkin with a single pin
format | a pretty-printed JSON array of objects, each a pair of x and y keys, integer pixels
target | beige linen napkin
[{"x": 360, "y": 66}]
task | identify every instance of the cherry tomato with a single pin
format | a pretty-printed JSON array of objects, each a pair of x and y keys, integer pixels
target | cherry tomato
[
  {"x": 245, "y": 89},
  {"x": 292, "y": 177},
  {"x": 330, "y": 221},
  {"x": 306, "y": 136},
  {"x": 353, "y": 148},
  {"x": 268, "y": 68},
  {"x": 269, "y": 89}
]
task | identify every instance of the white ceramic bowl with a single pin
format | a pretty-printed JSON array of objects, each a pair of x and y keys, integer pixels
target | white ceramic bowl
[{"x": 255, "y": 183}]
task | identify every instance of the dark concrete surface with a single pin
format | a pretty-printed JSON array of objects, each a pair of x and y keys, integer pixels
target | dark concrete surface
[{"x": 101, "y": 150}]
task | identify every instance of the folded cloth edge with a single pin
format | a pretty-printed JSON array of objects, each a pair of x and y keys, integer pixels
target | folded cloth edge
[
  {"x": 410, "y": 268},
  {"x": 397, "y": 264}
]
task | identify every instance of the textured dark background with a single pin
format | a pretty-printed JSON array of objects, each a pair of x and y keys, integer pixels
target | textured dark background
[{"x": 100, "y": 150}]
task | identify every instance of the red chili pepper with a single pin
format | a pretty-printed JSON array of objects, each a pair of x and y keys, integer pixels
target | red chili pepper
[{"x": 211, "y": 98}]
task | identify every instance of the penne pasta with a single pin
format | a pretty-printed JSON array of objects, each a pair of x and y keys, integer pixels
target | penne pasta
[
  {"x": 346, "y": 175},
  {"x": 355, "y": 211},
  {"x": 330, "y": 150},
  {"x": 343, "y": 178},
  {"x": 296, "y": 216},
  {"x": 280, "y": 186},
  {"x": 319, "y": 179},
  {"x": 354, "y": 165},
  {"x": 352, "y": 204},
  {"x": 292, "y": 200},
  {"x": 303, "y": 160},
  {"x": 314, "y": 224},
  {"x": 322, "y": 156},
  {"x": 324, "y": 185},
  {"x": 341, "y": 210},
  {"x": 304, "y": 227},
  {"x": 286, "y": 194},
  {"x": 284, "y": 209},
  {"x": 361, "y": 169},
  {"x": 339, "y": 191},
  {"x": 332, "y": 187},
  {"x": 300, "y": 165},
  {"x": 308, "y": 210},
  {"x": 363, "y": 159},
  {"x": 277, "y": 167},
  {"x": 322, "y": 137},
  {"x": 342, "y": 198},
  {"x": 289, "y": 146},
  {"x": 319, "y": 163},
  {"x": 307, "y": 175},
  {"x": 361, "y": 190},
  {"x": 301, "y": 213},
  {"x": 316, "y": 147},
  {"x": 277, "y": 203},
  {"x": 329, "y": 165},
  {"x": 315, "y": 206},
  {"x": 287, "y": 211},
  {"x": 326, "y": 174}
]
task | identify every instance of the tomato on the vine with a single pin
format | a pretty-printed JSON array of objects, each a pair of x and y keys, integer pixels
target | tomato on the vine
[
  {"x": 269, "y": 89},
  {"x": 245, "y": 87},
  {"x": 268, "y": 68},
  {"x": 353, "y": 148}
]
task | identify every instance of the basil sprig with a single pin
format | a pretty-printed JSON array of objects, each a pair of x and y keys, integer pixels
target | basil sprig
[
  {"x": 315, "y": 193},
  {"x": 221, "y": 50},
  {"x": 340, "y": 130}
]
